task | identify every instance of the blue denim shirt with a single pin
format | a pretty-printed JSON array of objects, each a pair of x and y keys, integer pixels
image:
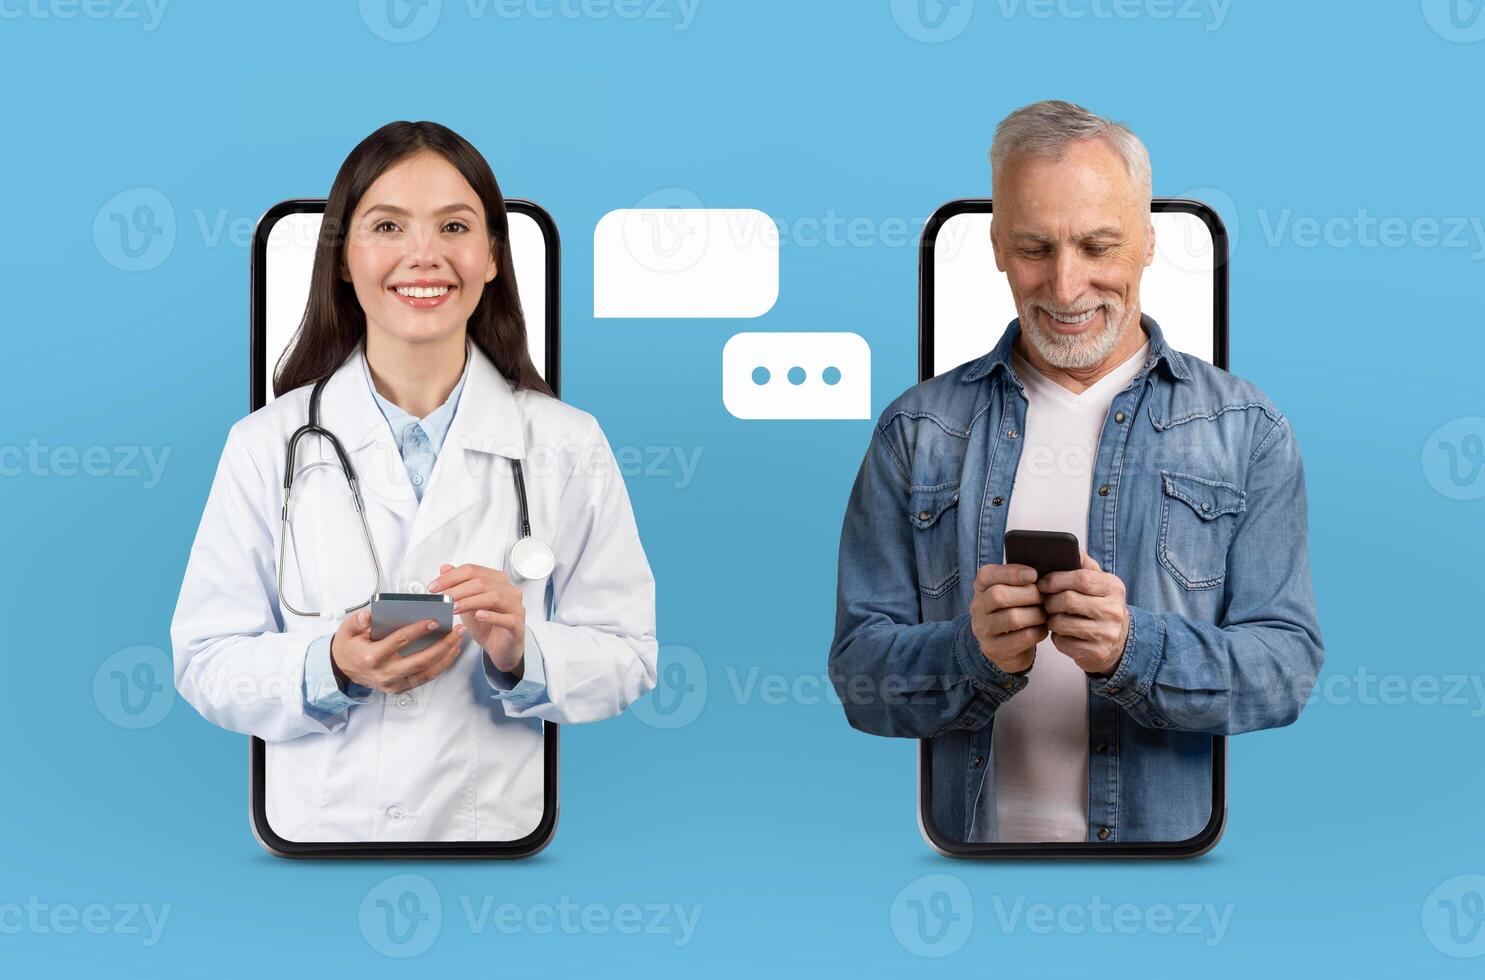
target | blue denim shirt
[{"x": 1197, "y": 504}]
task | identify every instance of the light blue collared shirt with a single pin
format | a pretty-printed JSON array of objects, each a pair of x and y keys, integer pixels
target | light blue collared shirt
[{"x": 419, "y": 442}]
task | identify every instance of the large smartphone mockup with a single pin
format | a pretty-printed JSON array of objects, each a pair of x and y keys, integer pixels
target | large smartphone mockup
[
  {"x": 964, "y": 306},
  {"x": 283, "y": 256}
]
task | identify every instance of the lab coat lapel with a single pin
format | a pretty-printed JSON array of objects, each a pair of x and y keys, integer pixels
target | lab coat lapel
[
  {"x": 348, "y": 409},
  {"x": 486, "y": 426}
]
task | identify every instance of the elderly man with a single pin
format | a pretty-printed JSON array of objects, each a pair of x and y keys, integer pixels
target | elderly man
[{"x": 1080, "y": 706}]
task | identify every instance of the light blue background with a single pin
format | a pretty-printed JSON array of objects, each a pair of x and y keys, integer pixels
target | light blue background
[{"x": 793, "y": 833}]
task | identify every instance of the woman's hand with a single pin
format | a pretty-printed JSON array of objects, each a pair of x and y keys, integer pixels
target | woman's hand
[
  {"x": 491, "y": 606},
  {"x": 378, "y": 665}
]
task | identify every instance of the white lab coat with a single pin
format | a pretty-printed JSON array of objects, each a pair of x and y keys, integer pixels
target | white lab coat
[{"x": 445, "y": 761}]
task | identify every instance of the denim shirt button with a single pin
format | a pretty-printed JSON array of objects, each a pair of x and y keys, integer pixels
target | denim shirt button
[
  {"x": 1103, "y": 491},
  {"x": 1113, "y": 690},
  {"x": 998, "y": 501},
  {"x": 1008, "y": 684},
  {"x": 1101, "y": 748},
  {"x": 1103, "y": 833},
  {"x": 1118, "y": 416},
  {"x": 924, "y": 515},
  {"x": 1011, "y": 433},
  {"x": 977, "y": 761}
]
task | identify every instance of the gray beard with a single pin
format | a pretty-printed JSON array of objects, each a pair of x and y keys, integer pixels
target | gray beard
[{"x": 1078, "y": 352}]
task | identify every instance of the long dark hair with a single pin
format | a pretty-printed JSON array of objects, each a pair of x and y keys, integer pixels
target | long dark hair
[{"x": 334, "y": 322}]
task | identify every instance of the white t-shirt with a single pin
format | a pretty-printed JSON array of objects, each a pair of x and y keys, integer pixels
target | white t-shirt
[{"x": 1040, "y": 739}]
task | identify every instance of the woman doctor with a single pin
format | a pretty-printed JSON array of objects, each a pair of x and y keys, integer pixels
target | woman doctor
[{"x": 414, "y": 319}]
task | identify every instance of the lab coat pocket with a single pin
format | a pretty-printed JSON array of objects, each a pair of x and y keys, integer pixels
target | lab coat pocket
[
  {"x": 1197, "y": 519},
  {"x": 932, "y": 511}
]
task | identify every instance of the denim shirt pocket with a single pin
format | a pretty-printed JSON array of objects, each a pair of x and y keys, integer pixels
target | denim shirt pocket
[
  {"x": 1197, "y": 519},
  {"x": 935, "y": 537}
]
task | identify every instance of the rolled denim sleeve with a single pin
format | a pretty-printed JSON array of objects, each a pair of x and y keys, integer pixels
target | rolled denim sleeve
[
  {"x": 531, "y": 689},
  {"x": 1256, "y": 668},
  {"x": 895, "y": 674},
  {"x": 322, "y": 695}
]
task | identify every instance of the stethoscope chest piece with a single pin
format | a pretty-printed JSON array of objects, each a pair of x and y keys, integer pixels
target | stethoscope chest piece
[{"x": 531, "y": 559}]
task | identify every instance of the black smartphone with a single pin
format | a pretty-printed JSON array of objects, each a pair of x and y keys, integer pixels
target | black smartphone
[{"x": 1045, "y": 551}]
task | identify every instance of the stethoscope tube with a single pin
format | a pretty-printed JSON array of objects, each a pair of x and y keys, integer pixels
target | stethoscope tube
[{"x": 529, "y": 557}]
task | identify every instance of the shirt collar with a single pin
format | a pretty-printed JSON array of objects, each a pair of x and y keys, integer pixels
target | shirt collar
[
  {"x": 1000, "y": 357},
  {"x": 435, "y": 424}
]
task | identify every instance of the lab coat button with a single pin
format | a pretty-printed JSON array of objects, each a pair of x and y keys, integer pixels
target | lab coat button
[
  {"x": 404, "y": 701},
  {"x": 395, "y": 813},
  {"x": 414, "y": 587}
]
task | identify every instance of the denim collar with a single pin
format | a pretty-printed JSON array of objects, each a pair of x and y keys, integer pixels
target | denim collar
[{"x": 1000, "y": 357}]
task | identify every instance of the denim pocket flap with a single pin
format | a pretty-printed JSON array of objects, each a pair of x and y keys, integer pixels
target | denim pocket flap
[
  {"x": 1208, "y": 498},
  {"x": 927, "y": 504}
]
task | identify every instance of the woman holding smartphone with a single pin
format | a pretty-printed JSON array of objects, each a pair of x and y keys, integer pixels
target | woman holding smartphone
[{"x": 437, "y": 461}]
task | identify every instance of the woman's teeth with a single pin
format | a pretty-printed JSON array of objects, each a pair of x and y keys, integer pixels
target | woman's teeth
[
  {"x": 421, "y": 292},
  {"x": 1073, "y": 318}
]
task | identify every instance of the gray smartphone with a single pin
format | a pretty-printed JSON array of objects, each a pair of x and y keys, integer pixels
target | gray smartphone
[{"x": 390, "y": 611}]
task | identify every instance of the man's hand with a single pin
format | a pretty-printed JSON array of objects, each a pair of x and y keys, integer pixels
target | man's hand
[
  {"x": 1087, "y": 616},
  {"x": 1006, "y": 615},
  {"x": 489, "y": 604}
]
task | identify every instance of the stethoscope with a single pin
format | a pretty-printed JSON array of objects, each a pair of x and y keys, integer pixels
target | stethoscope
[{"x": 529, "y": 558}]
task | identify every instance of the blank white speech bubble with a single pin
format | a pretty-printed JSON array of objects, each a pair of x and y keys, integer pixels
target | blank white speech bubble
[
  {"x": 685, "y": 262},
  {"x": 797, "y": 376}
]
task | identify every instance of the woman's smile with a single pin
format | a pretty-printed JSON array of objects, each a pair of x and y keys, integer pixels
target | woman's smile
[{"x": 423, "y": 294}]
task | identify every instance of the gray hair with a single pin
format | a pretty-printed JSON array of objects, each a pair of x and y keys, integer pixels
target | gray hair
[{"x": 1047, "y": 128}]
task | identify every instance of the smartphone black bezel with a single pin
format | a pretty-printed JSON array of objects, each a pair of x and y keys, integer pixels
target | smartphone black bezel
[
  {"x": 258, "y": 374},
  {"x": 1207, "y": 838}
]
